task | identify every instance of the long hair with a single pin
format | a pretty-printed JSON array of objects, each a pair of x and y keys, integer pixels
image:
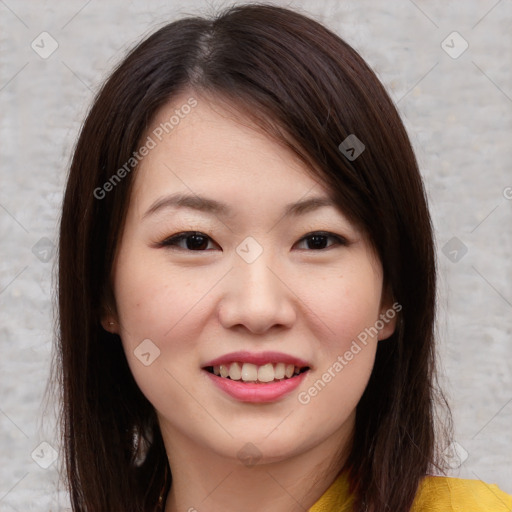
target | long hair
[{"x": 310, "y": 90}]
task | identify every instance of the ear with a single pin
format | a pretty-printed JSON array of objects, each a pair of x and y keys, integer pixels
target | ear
[
  {"x": 109, "y": 324},
  {"x": 388, "y": 316},
  {"x": 109, "y": 320}
]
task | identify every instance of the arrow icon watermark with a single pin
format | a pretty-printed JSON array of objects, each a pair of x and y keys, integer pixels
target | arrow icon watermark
[
  {"x": 352, "y": 147},
  {"x": 146, "y": 352}
]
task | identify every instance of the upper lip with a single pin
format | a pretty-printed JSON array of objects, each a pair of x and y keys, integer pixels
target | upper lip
[{"x": 257, "y": 358}]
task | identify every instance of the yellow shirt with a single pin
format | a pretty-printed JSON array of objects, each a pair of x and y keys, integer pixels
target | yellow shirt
[{"x": 435, "y": 494}]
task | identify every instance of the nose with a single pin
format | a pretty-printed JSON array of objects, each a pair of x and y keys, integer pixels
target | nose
[{"x": 257, "y": 297}]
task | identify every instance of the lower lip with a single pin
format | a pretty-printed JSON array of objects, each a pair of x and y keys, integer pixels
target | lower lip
[{"x": 257, "y": 392}]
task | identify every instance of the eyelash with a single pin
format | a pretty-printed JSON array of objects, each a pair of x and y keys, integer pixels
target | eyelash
[{"x": 173, "y": 241}]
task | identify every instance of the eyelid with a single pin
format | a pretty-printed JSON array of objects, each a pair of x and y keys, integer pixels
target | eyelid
[
  {"x": 341, "y": 240},
  {"x": 172, "y": 241}
]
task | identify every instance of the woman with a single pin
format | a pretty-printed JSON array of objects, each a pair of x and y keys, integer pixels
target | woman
[{"x": 287, "y": 361}]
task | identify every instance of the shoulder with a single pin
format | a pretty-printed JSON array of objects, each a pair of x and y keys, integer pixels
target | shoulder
[{"x": 446, "y": 494}]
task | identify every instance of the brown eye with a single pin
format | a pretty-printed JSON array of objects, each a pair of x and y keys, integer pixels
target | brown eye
[
  {"x": 197, "y": 241},
  {"x": 189, "y": 240},
  {"x": 319, "y": 240}
]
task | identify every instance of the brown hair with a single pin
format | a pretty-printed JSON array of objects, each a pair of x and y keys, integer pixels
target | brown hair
[{"x": 310, "y": 90}]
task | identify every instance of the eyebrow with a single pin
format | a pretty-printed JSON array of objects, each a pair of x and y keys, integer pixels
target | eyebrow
[{"x": 205, "y": 204}]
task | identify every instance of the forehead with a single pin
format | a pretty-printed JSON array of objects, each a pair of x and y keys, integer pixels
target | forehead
[{"x": 213, "y": 149}]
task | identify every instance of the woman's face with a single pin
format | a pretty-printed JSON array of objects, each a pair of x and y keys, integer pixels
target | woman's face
[{"x": 216, "y": 326}]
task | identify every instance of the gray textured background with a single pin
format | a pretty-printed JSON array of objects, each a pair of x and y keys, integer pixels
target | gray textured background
[{"x": 458, "y": 112}]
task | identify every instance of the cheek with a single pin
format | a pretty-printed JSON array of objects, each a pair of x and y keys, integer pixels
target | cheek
[
  {"x": 345, "y": 304},
  {"x": 159, "y": 317},
  {"x": 347, "y": 307},
  {"x": 155, "y": 300},
  {"x": 165, "y": 305}
]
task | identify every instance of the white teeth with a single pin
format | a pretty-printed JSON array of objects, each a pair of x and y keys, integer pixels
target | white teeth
[
  {"x": 279, "y": 371},
  {"x": 235, "y": 371},
  {"x": 266, "y": 373},
  {"x": 249, "y": 372}
]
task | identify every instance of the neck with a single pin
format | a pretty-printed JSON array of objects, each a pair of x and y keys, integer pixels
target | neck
[{"x": 205, "y": 480}]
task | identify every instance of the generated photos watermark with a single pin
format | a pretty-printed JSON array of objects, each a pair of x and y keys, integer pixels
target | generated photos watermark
[
  {"x": 342, "y": 361},
  {"x": 151, "y": 142}
]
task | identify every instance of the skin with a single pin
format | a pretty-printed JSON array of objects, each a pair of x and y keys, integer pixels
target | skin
[{"x": 198, "y": 305}]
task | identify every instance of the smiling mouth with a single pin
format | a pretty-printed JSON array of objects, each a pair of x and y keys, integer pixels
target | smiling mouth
[{"x": 248, "y": 372}]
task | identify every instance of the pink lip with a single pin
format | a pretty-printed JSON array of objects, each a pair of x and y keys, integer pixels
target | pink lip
[
  {"x": 254, "y": 391},
  {"x": 259, "y": 359}
]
